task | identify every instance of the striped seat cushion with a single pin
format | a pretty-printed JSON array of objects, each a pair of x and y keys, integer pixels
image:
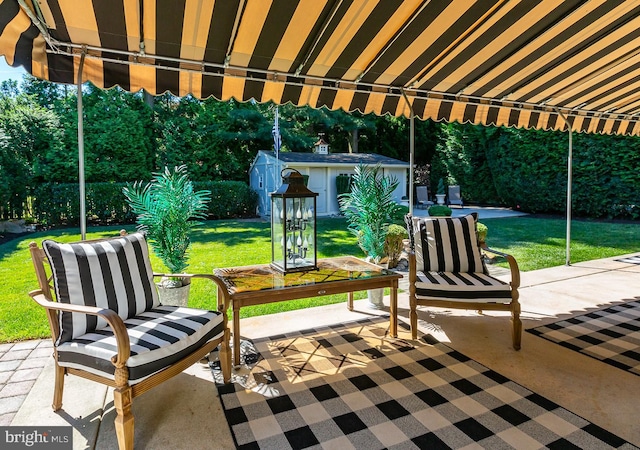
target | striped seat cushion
[
  {"x": 461, "y": 286},
  {"x": 159, "y": 338},
  {"x": 112, "y": 274},
  {"x": 446, "y": 244}
]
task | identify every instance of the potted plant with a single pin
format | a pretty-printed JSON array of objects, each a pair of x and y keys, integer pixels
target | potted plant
[
  {"x": 394, "y": 244},
  {"x": 482, "y": 234},
  {"x": 167, "y": 209},
  {"x": 440, "y": 195},
  {"x": 369, "y": 209}
]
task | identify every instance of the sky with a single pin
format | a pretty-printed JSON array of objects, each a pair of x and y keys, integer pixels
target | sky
[{"x": 7, "y": 72}]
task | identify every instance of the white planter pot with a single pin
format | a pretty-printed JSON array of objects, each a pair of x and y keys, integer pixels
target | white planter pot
[
  {"x": 440, "y": 198},
  {"x": 375, "y": 297},
  {"x": 173, "y": 296}
]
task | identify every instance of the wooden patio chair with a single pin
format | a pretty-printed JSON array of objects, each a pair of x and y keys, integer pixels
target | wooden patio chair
[
  {"x": 454, "y": 197},
  {"x": 446, "y": 270},
  {"x": 422, "y": 197},
  {"x": 108, "y": 325}
]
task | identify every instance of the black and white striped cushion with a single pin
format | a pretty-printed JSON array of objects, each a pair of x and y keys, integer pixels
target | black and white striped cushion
[
  {"x": 446, "y": 244},
  {"x": 159, "y": 338},
  {"x": 461, "y": 286},
  {"x": 112, "y": 273}
]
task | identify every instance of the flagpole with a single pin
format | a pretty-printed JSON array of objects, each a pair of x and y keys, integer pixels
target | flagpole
[{"x": 276, "y": 146}]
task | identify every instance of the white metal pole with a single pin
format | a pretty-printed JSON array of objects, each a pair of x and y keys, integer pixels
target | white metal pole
[
  {"x": 412, "y": 150},
  {"x": 569, "y": 194},
  {"x": 569, "y": 182},
  {"x": 83, "y": 209}
]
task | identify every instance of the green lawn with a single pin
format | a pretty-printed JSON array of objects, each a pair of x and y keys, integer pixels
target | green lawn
[{"x": 535, "y": 242}]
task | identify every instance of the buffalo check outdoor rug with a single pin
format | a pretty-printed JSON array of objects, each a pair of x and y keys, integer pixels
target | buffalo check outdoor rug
[
  {"x": 611, "y": 335},
  {"x": 350, "y": 386}
]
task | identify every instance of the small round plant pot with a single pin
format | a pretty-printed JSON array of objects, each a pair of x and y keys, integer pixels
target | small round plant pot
[{"x": 375, "y": 297}]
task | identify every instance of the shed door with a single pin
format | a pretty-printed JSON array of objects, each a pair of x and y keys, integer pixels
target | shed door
[{"x": 318, "y": 183}]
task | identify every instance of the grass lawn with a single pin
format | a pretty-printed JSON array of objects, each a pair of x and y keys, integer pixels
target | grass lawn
[{"x": 535, "y": 242}]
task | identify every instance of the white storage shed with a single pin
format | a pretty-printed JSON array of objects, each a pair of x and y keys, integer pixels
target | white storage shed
[{"x": 322, "y": 169}]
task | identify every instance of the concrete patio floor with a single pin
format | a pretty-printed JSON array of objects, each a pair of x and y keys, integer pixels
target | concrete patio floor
[{"x": 185, "y": 412}]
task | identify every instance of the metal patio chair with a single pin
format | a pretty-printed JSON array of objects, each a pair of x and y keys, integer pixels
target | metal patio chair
[
  {"x": 454, "y": 197},
  {"x": 422, "y": 197}
]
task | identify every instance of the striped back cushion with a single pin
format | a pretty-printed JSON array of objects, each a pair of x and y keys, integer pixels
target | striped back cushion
[
  {"x": 112, "y": 274},
  {"x": 446, "y": 244}
]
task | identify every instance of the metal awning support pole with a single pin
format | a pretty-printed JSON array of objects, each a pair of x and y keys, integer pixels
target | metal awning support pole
[
  {"x": 412, "y": 150},
  {"x": 83, "y": 209},
  {"x": 569, "y": 181}
]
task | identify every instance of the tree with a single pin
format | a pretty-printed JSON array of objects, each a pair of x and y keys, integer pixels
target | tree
[{"x": 28, "y": 134}]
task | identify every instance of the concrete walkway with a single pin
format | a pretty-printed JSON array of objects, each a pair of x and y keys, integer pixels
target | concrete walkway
[{"x": 484, "y": 212}]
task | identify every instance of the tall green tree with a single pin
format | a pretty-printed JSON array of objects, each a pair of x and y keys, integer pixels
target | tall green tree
[{"x": 118, "y": 135}]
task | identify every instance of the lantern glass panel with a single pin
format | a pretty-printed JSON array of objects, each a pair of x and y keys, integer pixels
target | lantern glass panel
[
  {"x": 300, "y": 233},
  {"x": 278, "y": 250}
]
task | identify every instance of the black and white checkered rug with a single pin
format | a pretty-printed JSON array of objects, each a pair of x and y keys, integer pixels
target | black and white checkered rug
[
  {"x": 611, "y": 335},
  {"x": 635, "y": 259},
  {"x": 352, "y": 387}
]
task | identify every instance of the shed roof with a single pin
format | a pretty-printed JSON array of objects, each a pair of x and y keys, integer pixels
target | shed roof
[{"x": 342, "y": 159}]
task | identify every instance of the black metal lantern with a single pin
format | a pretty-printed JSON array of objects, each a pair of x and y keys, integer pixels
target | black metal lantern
[{"x": 293, "y": 225}]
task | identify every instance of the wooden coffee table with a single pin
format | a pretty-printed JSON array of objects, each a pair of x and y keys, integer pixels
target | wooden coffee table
[{"x": 257, "y": 285}]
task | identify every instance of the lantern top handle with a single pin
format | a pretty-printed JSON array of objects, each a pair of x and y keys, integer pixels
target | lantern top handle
[
  {"x": 291, "y": 170},
  {"x": 293, "y": 177}
]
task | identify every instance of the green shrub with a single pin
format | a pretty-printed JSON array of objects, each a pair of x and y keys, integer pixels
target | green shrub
[
  {"x": 229, "y": 199},
  {"x": 56, "y": 204},
  {"x": 398, "y": 215},
  {"x": 393, "y": 244},
  {"x": 439, "y": 211},
  {"x": 343, "y": 184}
]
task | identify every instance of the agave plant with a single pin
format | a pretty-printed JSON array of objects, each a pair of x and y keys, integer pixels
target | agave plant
[
  {"x": 369, "y": 207},
  {"x": 167, "y": 210}
]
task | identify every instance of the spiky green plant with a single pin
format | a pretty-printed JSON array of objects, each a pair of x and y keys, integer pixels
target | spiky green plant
[
  {"x": 369, "y": 208},
  {"x": 167, "y": 209}
]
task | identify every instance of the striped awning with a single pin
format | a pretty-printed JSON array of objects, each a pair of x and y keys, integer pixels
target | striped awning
[{"x": 515, "y": 63}]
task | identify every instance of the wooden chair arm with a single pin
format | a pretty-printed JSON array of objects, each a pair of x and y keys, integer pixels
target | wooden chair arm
[
  {"x": 513, "y": 266},
  {"x": 111, "y": 317},
  {"x": 223, "y": 303}
]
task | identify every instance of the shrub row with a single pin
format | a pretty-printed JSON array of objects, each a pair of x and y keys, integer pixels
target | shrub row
[
  {"x": 527, "y": 170},
  {"x": 59, "y": 203}
]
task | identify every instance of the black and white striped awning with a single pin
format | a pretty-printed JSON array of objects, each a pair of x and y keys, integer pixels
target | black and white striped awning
[{"x": 514, "y": 63}]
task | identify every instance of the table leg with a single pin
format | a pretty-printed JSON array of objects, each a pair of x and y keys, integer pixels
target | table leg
[
  {"x": 350, "y": 301},
  {"x": 393, "y": 310},
  {"x": 236, "y": 334}
]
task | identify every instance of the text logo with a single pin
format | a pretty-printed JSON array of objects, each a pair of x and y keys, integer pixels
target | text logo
[{"x": 36, "y": 438}]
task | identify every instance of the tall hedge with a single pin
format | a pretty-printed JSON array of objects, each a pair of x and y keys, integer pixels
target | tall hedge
[
  {"x": 527, "y": 170},
  {"x": 59, "y": 203}
]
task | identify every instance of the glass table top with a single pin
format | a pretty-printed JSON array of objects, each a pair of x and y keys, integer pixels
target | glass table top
[{"x": 264, "y": 277}]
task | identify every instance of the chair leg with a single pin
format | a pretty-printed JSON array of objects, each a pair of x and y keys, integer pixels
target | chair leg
[
  {"x": 516, "y": 326},
  {"x": 225, "y": 357},
  {"x": 124, "y": 419},
  {"x": 413, "y": 317},
  {"x": 58, "y": 387}
]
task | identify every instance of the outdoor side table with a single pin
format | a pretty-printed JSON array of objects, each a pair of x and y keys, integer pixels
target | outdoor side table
[{"x": 261, "y": 284}]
